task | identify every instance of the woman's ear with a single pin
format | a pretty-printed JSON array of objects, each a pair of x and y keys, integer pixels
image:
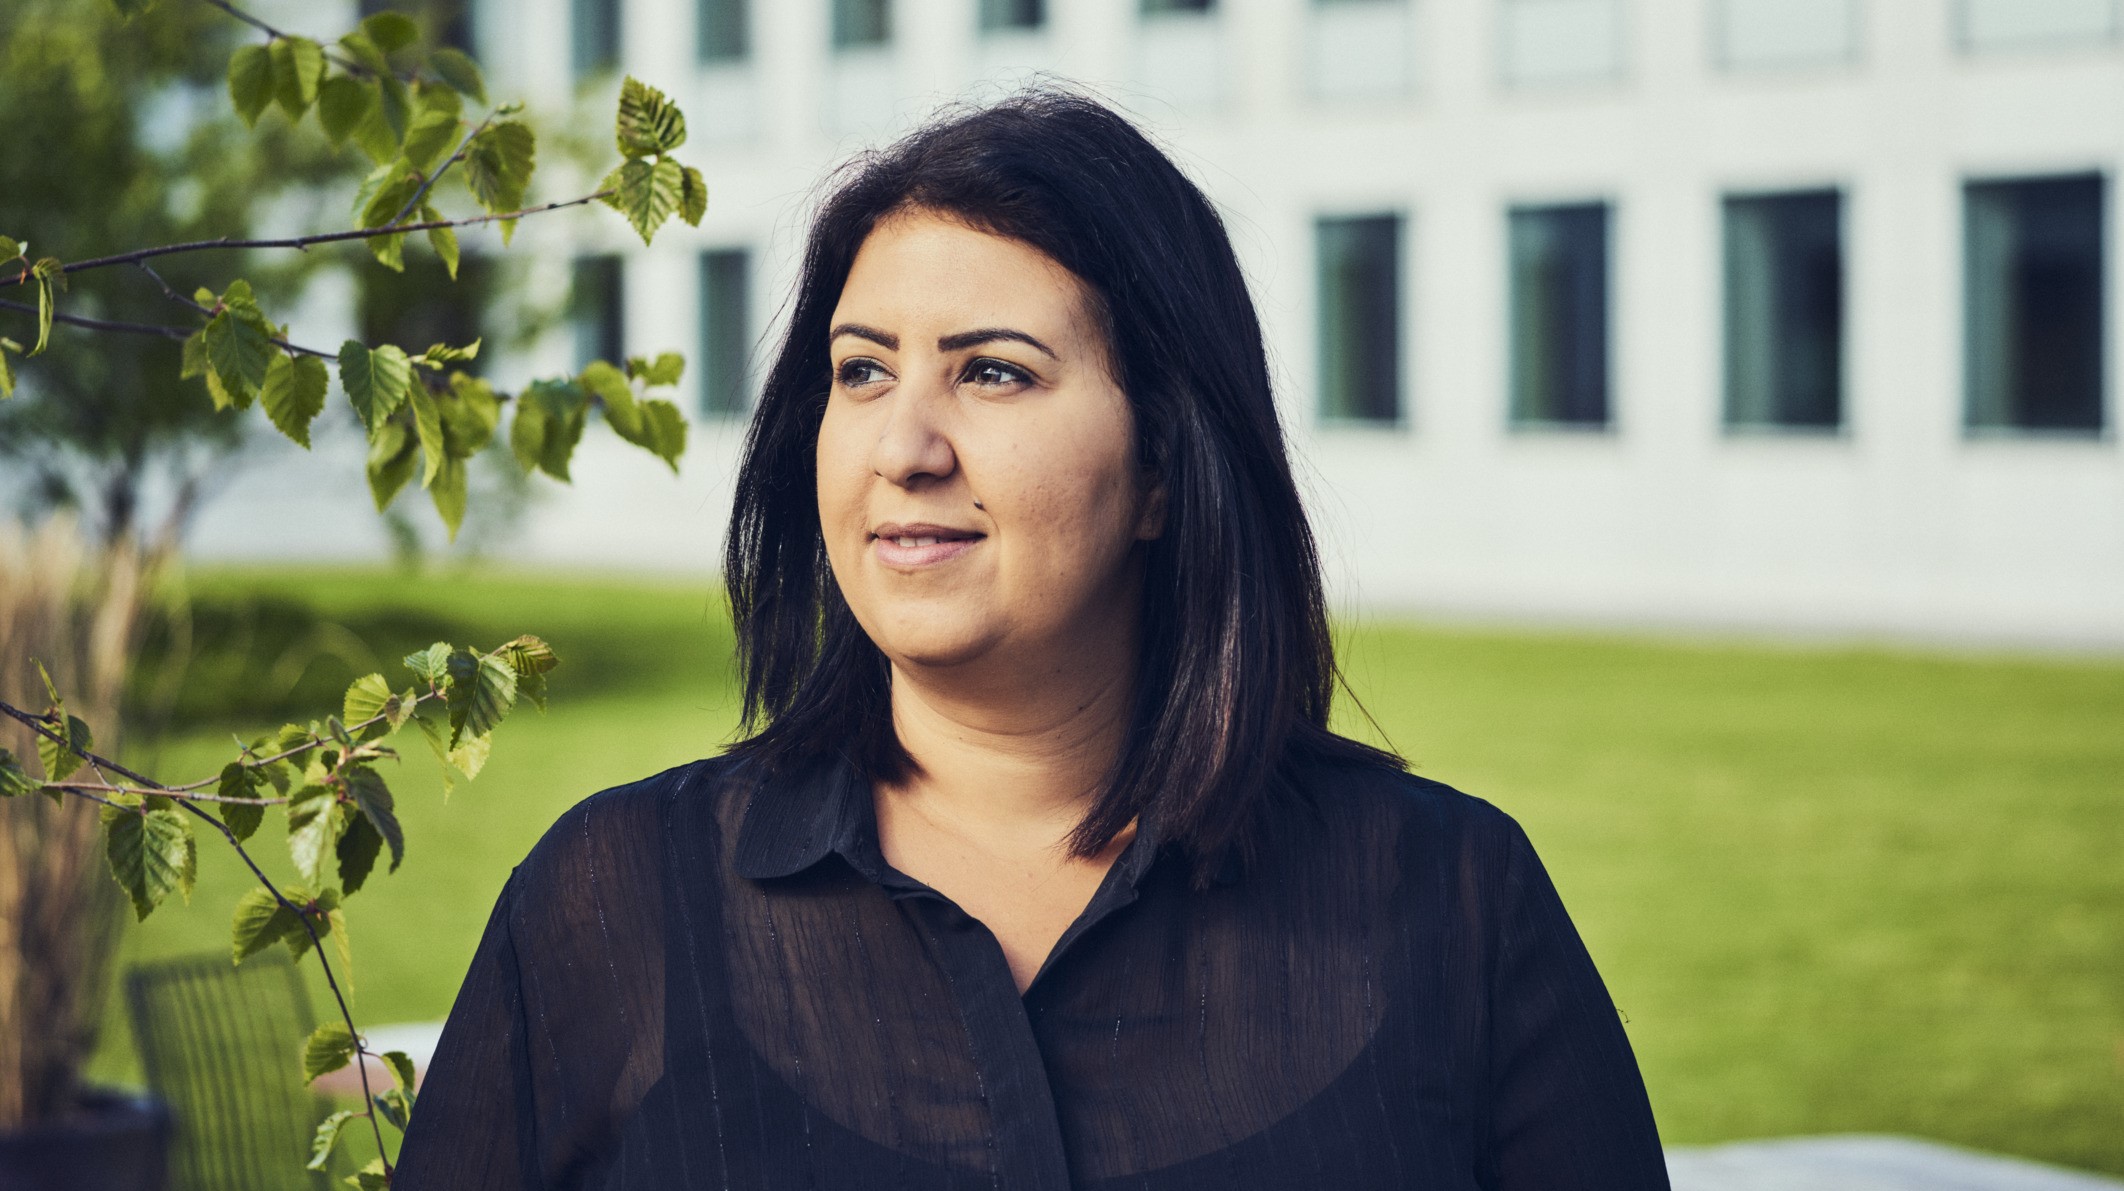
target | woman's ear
[{"x": 1151, "y": 524}]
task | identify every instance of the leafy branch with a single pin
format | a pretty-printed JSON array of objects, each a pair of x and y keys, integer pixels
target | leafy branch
[
  {"x": 404, "y": 107},
  {"x": 341, "y": 817}
]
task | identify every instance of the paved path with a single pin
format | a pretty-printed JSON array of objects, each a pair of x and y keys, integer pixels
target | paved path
[{"x": 1863, "y": 1162}]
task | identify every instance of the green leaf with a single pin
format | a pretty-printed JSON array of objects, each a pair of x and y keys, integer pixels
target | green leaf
[
  {"x": 498, "y": 165},
  {"x": 330, "y": 1047},
  {"x": 482, "y": 690},
  {"x": 439, "y": 354},
  {"x": 60, "y": 760},
  {"x": 402, "y": 1073},
  {"x": 433, "y": 131},
  {"x": 392, "y": 1106},
  {"x": 10, "y": 249},
  {"x": 442, "y": 239},
  {"x": 377, "y": 382},
  {"x": 664, "y": 432},
  {"x": 14, "y": 780},
  {"x": 370, "y": 1177},
  {"x": 261, "y": 921},
  {"x": 7, "y": 371},
  {"x": 379, "y": 808},
  {"x": 366, "y": 53},
  {"x": 49, "y": 273},
  {"x": 314, "y": 824},
  {"x": 151, "y": 852},
  {"x": 564, "y": 406},
  {"x": 336, "y": 925},
  {"x": 664, "y": 370},
  {"x": 366, "y": 698},
  {"x": 391, "y": 31},
  {"x": 240, "y": 781},
  {"x": 327, "y": 1137},
  {"x": 648, "y": 123},
  {"x": 449, "y": 492},
  {"x": 294, "y": 393},
  {"x": 343, "y": 102},
  {"x": 240, "y": 348},
  {"x": 395, "y": 107},
  {"x": 427, "y": 421},
  {"x": 392, "y": 458},
  {"x": 431, "y": 665},
  {"x": 298, "y": 66},
  {"x": 527, "y": 435},
  {"x": 693, "y": 196},
  {"x": 460, "y": 72},
  {"x": 357, "y": 852},
  {"x": 530, "y": 658},
  {"x": 648, "y": 195},
  {"x": 251, "y": 81},
  {"x": 611, "y": 387}
]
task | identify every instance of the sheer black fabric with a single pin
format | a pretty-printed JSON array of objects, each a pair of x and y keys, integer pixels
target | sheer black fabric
[{"x": 697, "y": 981}]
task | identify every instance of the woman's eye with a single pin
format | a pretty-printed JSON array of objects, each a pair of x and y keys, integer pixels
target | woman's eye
[
  {"x": 853, "y": 373},
  {"x": 995, "y": 374}
]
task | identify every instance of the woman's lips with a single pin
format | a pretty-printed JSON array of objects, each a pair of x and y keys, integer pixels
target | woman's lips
[{"x": 920, "y": 545}]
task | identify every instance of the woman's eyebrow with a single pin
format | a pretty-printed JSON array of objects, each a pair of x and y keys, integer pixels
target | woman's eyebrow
[
  {"x": 884, "y": 339},
  {"x": 966, "y": 339}
]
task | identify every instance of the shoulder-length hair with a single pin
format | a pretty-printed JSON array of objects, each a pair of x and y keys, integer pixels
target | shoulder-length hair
[{"x": 1237, "y": 672}]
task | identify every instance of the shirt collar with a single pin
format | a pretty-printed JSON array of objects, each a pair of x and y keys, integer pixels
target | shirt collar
[{"x": 794, "y": 823}]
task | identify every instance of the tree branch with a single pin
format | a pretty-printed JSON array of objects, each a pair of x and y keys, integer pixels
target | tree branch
[
  {"x": 129, "y": 258},
  {"x": 413, "y": 203},
  {"x": 100, "y": 324}
]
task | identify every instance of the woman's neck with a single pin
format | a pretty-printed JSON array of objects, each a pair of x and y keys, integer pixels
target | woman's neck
[{"x": 1017, "y": 767}]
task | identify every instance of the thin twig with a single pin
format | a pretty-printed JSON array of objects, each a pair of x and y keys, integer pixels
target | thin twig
[
  {"x": 128, "y": 258},
  {"x": 430, "y": 181},
  {"x": 165, "y": 792},
  {"x": 102, "y": 324},
  {"x": 171, "y": 291},
  {"x": 345, "y": 64},
  {"x": 302, "y": 914}
]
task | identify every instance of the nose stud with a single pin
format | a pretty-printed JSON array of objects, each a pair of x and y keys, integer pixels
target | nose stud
[{"x": 980, "y": 506}]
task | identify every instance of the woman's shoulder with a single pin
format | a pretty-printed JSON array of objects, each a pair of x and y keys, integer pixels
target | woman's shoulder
[
  {"x": 630, "y": 824},
  {"x": 1360, "y": 793}
]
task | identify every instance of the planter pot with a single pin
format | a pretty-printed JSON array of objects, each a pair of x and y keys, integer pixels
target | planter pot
[{"x": 115, "y": 1141}]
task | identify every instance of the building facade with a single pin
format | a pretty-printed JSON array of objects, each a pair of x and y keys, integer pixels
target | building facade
[{"x": 1786, "y": 315}]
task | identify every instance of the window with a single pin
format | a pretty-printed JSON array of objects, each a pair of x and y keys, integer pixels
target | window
[
  {"x": 1785, "y": 310},
  {"x": 861, "y": 22},
  {"x": 723, "y": 30},
  {"x": 1562, "y": 41},
  {"x": 2035, "y": 24},
  {"x": 1559, "y": 314},
  {"x": 2033, "y": 304},
  {"x": 422, "y": 305},
  {"x": 597, "y": 309},
  {"x": 594, "y": 32},
  {"x": 1360, "y": 49},
  {"x": 1013, "y": 14},
  {"x": 1158, "y": 6},
  {"x": 1360, "y": 318},
  {"x": 726, "y": 332},
  {"x": 1784, "y": 33}
]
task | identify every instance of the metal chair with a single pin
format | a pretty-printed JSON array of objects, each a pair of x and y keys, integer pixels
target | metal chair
[{"x": 221, "y": 1046}]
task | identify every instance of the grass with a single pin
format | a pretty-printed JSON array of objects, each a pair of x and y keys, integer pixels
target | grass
[{"x": 1832, "y": 890}]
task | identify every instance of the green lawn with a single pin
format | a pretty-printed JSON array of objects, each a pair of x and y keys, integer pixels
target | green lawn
[{"x": 1832, "y": 890}]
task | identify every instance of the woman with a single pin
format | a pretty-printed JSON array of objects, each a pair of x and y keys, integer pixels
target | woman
[{"x": 1040, "y": 868}]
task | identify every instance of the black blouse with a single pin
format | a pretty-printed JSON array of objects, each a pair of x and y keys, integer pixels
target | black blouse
[{"x": 698, "y": 981}]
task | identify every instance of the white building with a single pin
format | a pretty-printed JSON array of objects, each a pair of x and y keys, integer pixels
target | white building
[{"x": 1775, "y": 314}]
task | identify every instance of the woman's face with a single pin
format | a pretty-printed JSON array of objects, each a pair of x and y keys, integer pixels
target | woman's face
[{"x": 978, "y": 486}]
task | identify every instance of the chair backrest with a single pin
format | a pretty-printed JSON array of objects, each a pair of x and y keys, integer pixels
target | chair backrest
[{"x": 222, "y": 1046}]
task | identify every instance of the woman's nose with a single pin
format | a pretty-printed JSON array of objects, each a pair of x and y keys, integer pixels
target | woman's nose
[{"x": 913, "y": 447}]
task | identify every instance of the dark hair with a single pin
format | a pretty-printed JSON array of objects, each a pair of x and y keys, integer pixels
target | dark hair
[{"x": 1238, "y": 667}]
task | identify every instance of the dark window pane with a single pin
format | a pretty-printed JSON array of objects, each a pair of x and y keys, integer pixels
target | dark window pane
[
  {"x": 2033, "y": 303},
  {"x": 1013, "y": 14},
  {"x": 724, "y": 30},
  {"x": 1785, "y": 310},
  {"x": 1559, "y": 340},
  {"x": 442, "y": 22},
  {"x": 422, "y": 306},
  {"x": 1360, "y": 318},
  {"x": 862, "y": 22},
  {"x": 594, "y": 26},
  {"x": 726, "y": 334},
  {"x": 1179, "y": 5},
  {"x": 597, "y": 309}
]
